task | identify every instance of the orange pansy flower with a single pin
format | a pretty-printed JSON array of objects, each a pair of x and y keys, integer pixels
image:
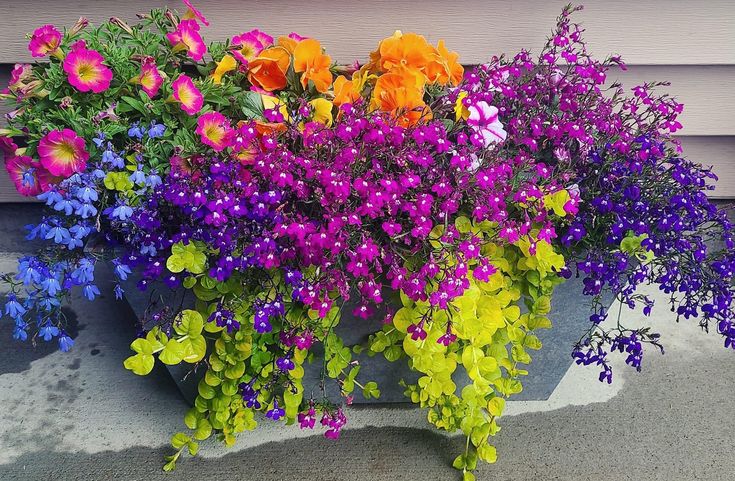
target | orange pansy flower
[
  {"x": 408, "y": 50},
  {"x": 444, "y": 67},
  {"x": 344, "y": 91},
  {"x": 268, "y": 69},
  {"x": 309, "y": 59},
  {"x": 401, "y": 92},
  {"x": 288, "y": 43}
]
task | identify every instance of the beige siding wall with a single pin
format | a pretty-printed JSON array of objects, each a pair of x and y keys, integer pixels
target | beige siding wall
[{"x": 691, "y": 44}]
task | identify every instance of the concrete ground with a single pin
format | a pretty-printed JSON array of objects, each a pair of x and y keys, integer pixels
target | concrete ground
[{"x": 82, "y": 416}]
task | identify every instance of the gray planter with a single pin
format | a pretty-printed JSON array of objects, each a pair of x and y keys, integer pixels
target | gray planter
[{"x": 569, "y": 315}]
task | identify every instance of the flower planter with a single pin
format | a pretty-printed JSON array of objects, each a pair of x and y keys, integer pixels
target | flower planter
[{"x": 569, "y": 315}]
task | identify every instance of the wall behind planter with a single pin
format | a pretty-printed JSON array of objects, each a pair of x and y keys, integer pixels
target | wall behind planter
[{"x": 691, "y": 44}]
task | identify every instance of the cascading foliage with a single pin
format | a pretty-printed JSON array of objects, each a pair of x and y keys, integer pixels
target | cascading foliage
[{"x": 287, "y": 194}]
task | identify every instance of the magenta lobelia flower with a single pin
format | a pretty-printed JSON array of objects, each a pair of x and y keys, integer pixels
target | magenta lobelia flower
[
  {"x": 186, "y": 93},
  {"x": 63, "y": 152},
  {"x": 150, "y": 79},
  {"x": 186, "y": 38},
  {"x": 85, "y": 70},
  {"x": 248, "y": 45},
  {"x": 484, "y": 120},
  {"x": 215, "y": 130},
  {"x": 29, "y": 177},
  {"x": 45, "y": 41}
]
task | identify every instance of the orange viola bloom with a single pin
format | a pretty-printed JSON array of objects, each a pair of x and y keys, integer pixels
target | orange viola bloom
[
  {"x": 309, "y": 59},
  {"x": 444, "y": 67},
  {"x": 288, "y": 43},
  {"x": 268, "y": 69},
  {"x": 402, "y": 50},
  {"x": 401, "y": 92},
  {"x": 345, "y": 91}
]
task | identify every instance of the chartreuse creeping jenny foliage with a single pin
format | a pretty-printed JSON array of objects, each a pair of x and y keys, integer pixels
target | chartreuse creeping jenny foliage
[{"x": 288, "y": 194}]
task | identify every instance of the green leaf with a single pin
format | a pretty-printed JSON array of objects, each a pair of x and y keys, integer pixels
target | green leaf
[
  {"x": 140, "y": 364},
  {"x": 179, "y": 440},
  {"x": 193, "y": 447},
  {"x": 190, "y": 323},
  {"x": 173, "y": 353},
  {"x": 459, "y": 462},
  {"x": 487, "y": 453},
  {"x": 496, "y": 405},
  {"x": 203, "y": 431},
  {"x": 371, "y": 390}
]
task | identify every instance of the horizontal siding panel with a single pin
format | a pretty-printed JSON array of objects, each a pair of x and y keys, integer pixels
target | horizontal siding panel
[
  {"x": 718, "y": 152},
  {"x": 655, "y": 32}
]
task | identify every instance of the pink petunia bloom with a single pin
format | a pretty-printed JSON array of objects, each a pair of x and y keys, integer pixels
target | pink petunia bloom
[
  {"x": 215, "y": 130},
  {"x": 29, "y": 177},
  {"x": 296, "y": 36},
  {"x": 186, "y": 37},
  {"x": 186, "y": 93},
  {"x": 194, "y": 13},
  {"x": 150, "y": 79},
  {"x": 45, "y": 41},
  {"x": 484, "y": 121},
  {"x": 248, "y": 45},
  {"x": 7, "y": 147},
  {"x": 20, "y": 73},
  {"x": 63, "y": 152},
  {"x": 85, "y": 70}
]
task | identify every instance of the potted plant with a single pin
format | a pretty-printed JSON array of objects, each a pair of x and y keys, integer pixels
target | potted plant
[{"x": 288, "y": 195}]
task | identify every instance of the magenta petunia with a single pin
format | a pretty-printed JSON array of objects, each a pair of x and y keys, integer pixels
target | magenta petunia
[
  {"x": 85, "y": 70},
  {"x": 150, "y": 78},
  {"x": 194, "y": 13},
  {"x": 63, "y": 152},
  {"x": 45, "y": 41},
  {"x": 186, "y": 38},
  {"x": 215, "y": 130},
  {"x": 187, "y": 94},
  {"x": 7, "y": 147},
  {"x": 29, "y": 177},
  {"x": 248, "y": 45}
]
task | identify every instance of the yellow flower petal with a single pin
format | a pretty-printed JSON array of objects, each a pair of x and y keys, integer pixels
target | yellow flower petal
[{"x": 227, "y": 64}]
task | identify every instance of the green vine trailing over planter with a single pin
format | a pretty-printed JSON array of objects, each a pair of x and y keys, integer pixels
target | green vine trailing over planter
[{"x": 287, "y": 194}]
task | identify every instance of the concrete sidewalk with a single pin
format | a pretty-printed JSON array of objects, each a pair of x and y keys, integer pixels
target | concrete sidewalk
[{"x": 82, "y": 416}]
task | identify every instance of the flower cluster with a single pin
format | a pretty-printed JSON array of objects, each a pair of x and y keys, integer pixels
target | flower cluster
[{"x": 287, "y": 194}]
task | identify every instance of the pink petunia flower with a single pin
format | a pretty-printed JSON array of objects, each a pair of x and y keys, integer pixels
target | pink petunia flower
[
  {"x": 194, "y": 13},
  {"x": 7, "y": 147},
  {"x": 296, "y": 36},
  {"x": 20, "y": 73},
  {"x": 215, "y": 130},
  {"x": 85, "y": 70},
  {"x": 484, "y": 121},
  {"x": 186, "y": 37},
  {"x": 29, "y": 177},
  {"x": 63, "y": 152},
  {"x": 45, "y": 41},
  {"x": 248, "y": 45},
  {"x": 186, "y": 93},
  {"x": 150, "y": 79}
]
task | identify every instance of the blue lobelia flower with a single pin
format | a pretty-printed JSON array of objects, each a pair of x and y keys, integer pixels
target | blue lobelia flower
[
  {"x": 13, "y": 308},
  {"x": 48, "y": 331},
  {"x": 90, "y": 291},
  {"x": 156, "y": 130},
  {"x": 135, "y": 131},
  {"x": 65, "y": 342}
]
